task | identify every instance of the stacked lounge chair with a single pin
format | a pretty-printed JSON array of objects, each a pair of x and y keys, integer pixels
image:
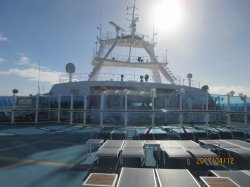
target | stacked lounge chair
[{"x": 111, "y": 148}]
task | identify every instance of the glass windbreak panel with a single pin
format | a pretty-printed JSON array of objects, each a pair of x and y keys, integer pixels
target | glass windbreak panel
[
  {"x": 167, "y": 102},
  {"x": 5, "y": 116},
  {"x": 139, "y": 102},
  {"x": 77, "y": 117},
  {"x": 248, "y": 114},
  {"x": 139, "y": 118},
  {"x": 194, "y": 117},
  {"x": 43, "y": 115},
  {"x": 196, "y": 101},
  {"x": 220, "y": 101},
  {"x": 114, "y": 118},
  {"x": 44, "y": 102},
  {"x": 25, "y": 109},
  {"x": 53, "y": 102},
  {"x": 248, "y": 104},
  {"x": 24, "y": 115},
  {"x": 114, "y": 102},
  {"x": 64, "y": 115},
  {"x": 237, "y": 107},
  {"x": 25, "y": 102},
  {"x": 94, "y": 101},
  {"x": 163, "y": 118},
  {"x": 65, "y": 101},
  {"x": 5, "y": 108},
  {"x": 237, "y": 103},
  {"x": 237, "y": 117},
  {"x": 52, "y": 116},
  {"x": 93, "y": 117},
  {"x": 78, "y": 102},
  {"x": 5, "y": 102}
]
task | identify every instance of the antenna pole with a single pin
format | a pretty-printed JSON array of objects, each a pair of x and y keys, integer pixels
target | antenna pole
[
  {"x": 100, "y": 30},
  {"x": 100, "y": 27},
  {"x": 132, "y": 31}
]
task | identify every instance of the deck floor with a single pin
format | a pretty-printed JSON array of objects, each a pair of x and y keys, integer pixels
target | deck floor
[{"x": 48, "y": 155}]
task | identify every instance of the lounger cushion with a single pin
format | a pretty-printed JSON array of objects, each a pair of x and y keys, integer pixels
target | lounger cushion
[
  {"x": 133, "y": 152},
  {"x": 108, "y": 152}
]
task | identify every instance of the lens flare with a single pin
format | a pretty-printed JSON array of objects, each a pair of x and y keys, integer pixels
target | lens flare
[{"x": 168, "y": 15}]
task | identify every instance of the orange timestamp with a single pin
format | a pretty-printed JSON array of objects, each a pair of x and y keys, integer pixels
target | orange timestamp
[{"x": 217, "y": 161}]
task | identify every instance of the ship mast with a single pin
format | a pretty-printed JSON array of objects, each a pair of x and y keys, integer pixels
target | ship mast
[
  {"x": 133, "y": 29},
  {"x": 106, "y": 57}
]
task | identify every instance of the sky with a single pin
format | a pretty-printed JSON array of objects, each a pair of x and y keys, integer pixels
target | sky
[{"x": 209, "y": 38}]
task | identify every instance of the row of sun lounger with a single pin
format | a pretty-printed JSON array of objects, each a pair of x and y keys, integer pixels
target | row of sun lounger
[
  {"x": 172, "y": 149},
  {"x": 144, "y": 177},
  {"x": 185, "y": 149},
  {"x": 149, "y": 177},
  {"x": 128, "y": 148},
  {"x": 231, "y": 146}
]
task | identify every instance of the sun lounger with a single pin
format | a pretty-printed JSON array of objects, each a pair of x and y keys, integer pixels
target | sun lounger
[
  {"x": 188, "y": 143},
  {"x": 238, "y": 143},
  {"x": 133, "y": 149},
  {"x": 134, "y": 143},
  {"x": 243, "y": 152},
  {"x": 238, "y": 176},
  {"x": 176, "y": 153},
  {"x": 169, "y": 143},
  {"x": 175, "y": 177},
  {"x": 201, "y": 152},
  {"x": 137, "y": 177},
  {"x": 113, "y": 143},
  {"x": 218, "y": 182},
  {"x": 108, "y": 152},
  {"x": 235, "y": 146},
  {"x": 100, "y": 180},
  {"x": 111, "y": 148}
]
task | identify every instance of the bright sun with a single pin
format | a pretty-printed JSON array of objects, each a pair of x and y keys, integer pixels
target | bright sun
[{"x": 168, "y": 15}]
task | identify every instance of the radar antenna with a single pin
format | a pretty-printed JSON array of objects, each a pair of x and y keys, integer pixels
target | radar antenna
[{"x": 117, "y": 28}]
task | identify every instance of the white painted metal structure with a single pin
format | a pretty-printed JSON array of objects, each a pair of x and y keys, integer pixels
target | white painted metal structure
[{"x": 132, "y": 40}]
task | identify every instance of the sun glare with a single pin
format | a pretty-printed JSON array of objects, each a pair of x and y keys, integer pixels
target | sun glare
[{"x": 168, "y": 15}]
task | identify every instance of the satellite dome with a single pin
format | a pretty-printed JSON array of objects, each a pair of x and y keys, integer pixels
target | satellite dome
[
  {"x": 189, "y": 76},
  {"x": 70, "y": 68}
]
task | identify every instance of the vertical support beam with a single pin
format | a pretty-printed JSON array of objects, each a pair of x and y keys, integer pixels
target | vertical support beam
[
  {"x": 101, "y": 108},
  {"x": 37, "y": 107},
  {"x": 71, "y": 109},
  {"x": 84, "y": 109},
  {"x": 207, "y": 114},
  {"x": 59, "y": 109},
  {"x": 190, "y": 108},
  {"x": 153, "y": 106},
  {"x": 13, "y": 108},
  {"x": 228, "y": 110},
  {"x": 181, "y": 92},
  {"x": 126, "y": 109},
  {"x": 245, "y": 110}
]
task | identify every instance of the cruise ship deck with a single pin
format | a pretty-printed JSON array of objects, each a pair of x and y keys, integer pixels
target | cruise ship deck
[
  {"x": 122, "y": 129},
  {"x": 66, "y": 155}
]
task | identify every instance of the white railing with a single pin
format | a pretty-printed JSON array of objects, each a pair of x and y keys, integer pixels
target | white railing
[{"x": 127, "y": 77}]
